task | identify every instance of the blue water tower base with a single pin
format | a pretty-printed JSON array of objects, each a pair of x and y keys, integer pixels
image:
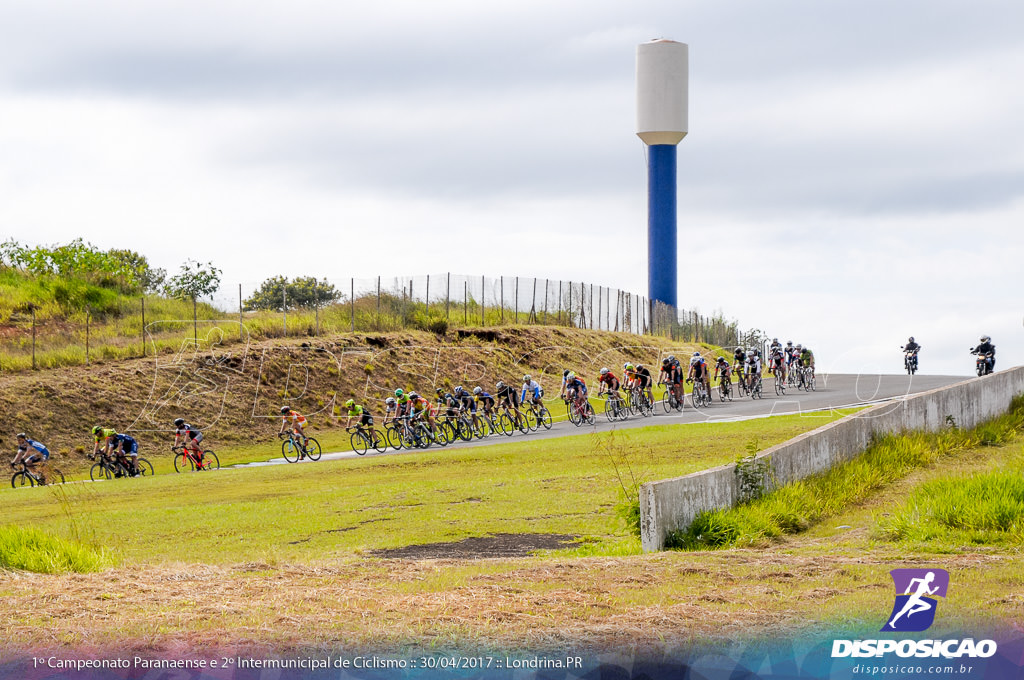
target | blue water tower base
[{"x": 662, "y": 270}]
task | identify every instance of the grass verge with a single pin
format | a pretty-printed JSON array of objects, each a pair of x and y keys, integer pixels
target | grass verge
[
  {"x": 795, "y": 507},
  {"x": 32, "y": 549}
]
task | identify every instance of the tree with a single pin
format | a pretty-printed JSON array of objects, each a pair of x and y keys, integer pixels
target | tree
[
  {"x": 304, "y": 291},
  {"x": 191, "y": 283},
  {"x": 194, "y": 281}
]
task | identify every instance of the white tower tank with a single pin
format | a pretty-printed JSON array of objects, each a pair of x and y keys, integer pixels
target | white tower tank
[{"x": 662, "y": 88}]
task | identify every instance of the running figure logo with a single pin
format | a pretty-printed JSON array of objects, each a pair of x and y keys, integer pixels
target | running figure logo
[{"x": 914, "y": 610}]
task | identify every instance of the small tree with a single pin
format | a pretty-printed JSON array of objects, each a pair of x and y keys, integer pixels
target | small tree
[
  {"x": 193, "y": 282},
  {"x": 304, "y": 291}
]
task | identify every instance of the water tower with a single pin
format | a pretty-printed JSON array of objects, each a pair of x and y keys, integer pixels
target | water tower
[{"x": 662, "y": 84}]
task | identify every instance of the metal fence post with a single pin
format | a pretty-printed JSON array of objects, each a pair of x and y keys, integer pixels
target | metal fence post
[
  {"x": 352, "y": 301},
  {"x": 448, "y": 298},
  {"x": 515, "y": 319},
  {"x": 33, "y": 337},
  {"x": 483, "y": 301},
  {"x": 465, "y": 302},
  {"x": 378, "y": 303},
  {"x": 239, "y": 311},
  {"x": 501, "y": 287},
  {"x": 143, "y": 333},
  {"x": 546, "y": 282},
  {"x": 428, "y": 296},
  {"x": 87, "y": 311}
]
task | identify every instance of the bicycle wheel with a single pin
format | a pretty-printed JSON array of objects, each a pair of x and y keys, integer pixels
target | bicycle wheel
[
  {"x": 588, "y": 414},
  {"x": 394, "y": 436},
  {"x": 421, "y": 436},
  {"x": 780, "y": 387},
  {"x": 52, "y": 476},
  {"x": 544, "y": 417},
  {"x": 610, "y": 410},
  {"x": 359, "y": 442},
  {"x": 313, "y": 449},
  {"x": 100, "y": 471},
  {"x": 22, "y": 479},
  {"x": 210, "y": 461},
  {"x": 145, "y": 467},
  {"x": 506, "y": 424},
  {"x": 290, "y": 451},
  {"x": 810, "y": 382},
  {"x": 183, "y": 463},
  {"x": 666, "y": 401}
]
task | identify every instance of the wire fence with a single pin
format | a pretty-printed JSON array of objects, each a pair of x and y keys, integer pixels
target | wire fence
[{"x": 308, "y": 307}]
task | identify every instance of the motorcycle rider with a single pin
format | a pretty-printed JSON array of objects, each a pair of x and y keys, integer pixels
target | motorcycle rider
[
  {"x": 987, "y": 350},
  {"x": 911, "y": 349}
]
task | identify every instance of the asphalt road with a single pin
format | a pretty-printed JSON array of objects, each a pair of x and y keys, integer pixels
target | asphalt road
[{"x": 833, "y": 391}]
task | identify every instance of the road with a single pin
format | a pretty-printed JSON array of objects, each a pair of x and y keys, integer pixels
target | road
[{"x": 833, "y": 391}]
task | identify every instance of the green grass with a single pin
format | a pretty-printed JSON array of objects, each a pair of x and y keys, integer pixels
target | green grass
[
  {"x": 795, "y": 507},
  {"x": 570, "y": 485},
  {"x": 32, "y": 549},
  {"x": 978, "y": 509}
]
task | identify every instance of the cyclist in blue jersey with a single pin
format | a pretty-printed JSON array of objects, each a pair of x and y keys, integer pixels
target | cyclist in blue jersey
[
  {"x": 127, "y": 451},
  {"x": 30, "y": 452}
]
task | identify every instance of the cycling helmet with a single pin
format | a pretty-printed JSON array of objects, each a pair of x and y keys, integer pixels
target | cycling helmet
[
  {"x": 458, "y": 390},
  {"x": 477, "y": 390},
  {"x": 628, "y": 367},
  {"x": 350, "y": 403},
  {"x": 604, "y": 371},
  {"x": 789, "y": 343},
  {"x": 179, "y": 422},
  {"x": 97, "y": 429},
  {"x": 775, "y": 340},
  {"x": 390, "y": 401},
  {"x": 21, "y": 435},
  {"x": 696, "y": 354},
  {"x": 527, "y": 378},
  {"x": 413, "y": 395},
  {"x": 672, "y": 358},
  {"x": 500, "y": 385},
  {"x": 284, "y": 410},
  {"x": 439, "y": 391},
  {"x": 666, "y": 361},
  {"x": 911, "y": 339},
  {"x": 570, "y": 377},
  {"x": 399, "y": 392},
  {"x": 639, "y": 366}
]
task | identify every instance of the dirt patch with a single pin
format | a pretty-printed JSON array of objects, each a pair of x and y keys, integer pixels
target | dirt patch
[{"x": 482, "y": 547}]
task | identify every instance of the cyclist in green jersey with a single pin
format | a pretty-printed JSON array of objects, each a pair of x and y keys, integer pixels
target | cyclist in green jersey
[{"x": 364, "y": 418}]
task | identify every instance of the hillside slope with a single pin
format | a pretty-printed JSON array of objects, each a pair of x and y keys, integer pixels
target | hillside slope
[{"x": 234, "y": 392}]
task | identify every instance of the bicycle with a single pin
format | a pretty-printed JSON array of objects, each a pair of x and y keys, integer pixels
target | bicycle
[
  {"x": 669, "y": 400},
  {"x": 725, "y": 388},
  {"x": 755, "y": 388},
  {"x": 361, "y": 441},
  {"x": 185, "y": 460},
  {"x": 580, "y": 410},
  {"x": 699, "y": 396},
  {"x": 516, "y": 418},
  {"x": 26, "y": 476},
  {"x": 294, "y": 450},
  {"x": 780, "y": 384},
  {"x": 614, "y": 407},
  {"x": 108, "y": 467},
  {"x": 541, "y": 415}
]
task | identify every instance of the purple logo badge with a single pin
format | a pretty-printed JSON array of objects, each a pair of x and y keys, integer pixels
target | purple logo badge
[{"x": 915, "y": 605}]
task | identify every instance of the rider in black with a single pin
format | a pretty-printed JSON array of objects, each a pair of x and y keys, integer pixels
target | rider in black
[{"x": 988, "y": 350}]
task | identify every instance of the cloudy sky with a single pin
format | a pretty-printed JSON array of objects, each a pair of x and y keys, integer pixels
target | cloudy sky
[{"x": 854, "y": 171}]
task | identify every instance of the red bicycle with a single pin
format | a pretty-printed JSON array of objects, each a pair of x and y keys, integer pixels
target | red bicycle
[{"x": 185, "y": 460}]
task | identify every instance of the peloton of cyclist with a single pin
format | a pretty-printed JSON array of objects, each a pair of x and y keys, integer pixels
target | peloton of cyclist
[
  {"x": 30, "y": 452},
  {"x": 362, "y": 415},
  {"x": 188, "y": 437},
  {"x": 699, "y": 371}
]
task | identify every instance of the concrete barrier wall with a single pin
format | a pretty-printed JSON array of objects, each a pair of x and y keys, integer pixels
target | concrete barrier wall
[{"x": 671, "y": 504}]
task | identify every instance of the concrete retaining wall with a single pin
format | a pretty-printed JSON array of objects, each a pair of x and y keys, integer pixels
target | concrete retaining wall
[{"x": 671, "y": 504}]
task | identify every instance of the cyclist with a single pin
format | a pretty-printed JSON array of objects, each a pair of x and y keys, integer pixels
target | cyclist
[
  {"x": 447, "y": 401},
  {"x": 403, "y": 402},
  {"x": 30, "y": 452},
  {"x": 777, "y": 362},
  {"x": 699, "y": 371},
  {"x": 752, "y": 367},
  {"x": 467, "y": 404},
  {"x": 364, "y": 418},
  {"x": 672, "y": 375},
  {"x": 189, "y": 437},
  {"x": 532, "y": 389},
  {"x": 739, "y": 359},
  {"x": 806, "y": 357},
  {"x": 102, "y": 435},
  {"x": 609, "y": 384},
  {"x": 645, "y": 381},
  {"x": 509, "y": 400},
  {"x": 575, "y": 389},
  {"x": 125, "y": 447},
  {"x": 987, "y": 350},
  {"x": 485, "y": 400},
  {"x": 774, "y": 345},
  {"x": 298, "y": 426},
  {"x": 390, "y": 410},
  {"x": 722, "y": 367},
  {"x": 419, "y": 407}
]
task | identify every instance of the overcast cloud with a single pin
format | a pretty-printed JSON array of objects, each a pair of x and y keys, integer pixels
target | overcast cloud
[{"x": 854, "y": 171}]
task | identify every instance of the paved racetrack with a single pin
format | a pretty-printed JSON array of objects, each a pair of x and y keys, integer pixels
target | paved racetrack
[{"x": 832, "y": 392}]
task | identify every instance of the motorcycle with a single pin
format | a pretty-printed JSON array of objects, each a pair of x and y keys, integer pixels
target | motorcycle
[
  {"x": 910, "y": 360},
  {"x": 985, "y": 362}
]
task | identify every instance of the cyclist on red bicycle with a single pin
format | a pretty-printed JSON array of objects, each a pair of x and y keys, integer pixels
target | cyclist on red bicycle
[
  {"x": 575, "y": 389},
  {"x": 609, "y": 384},
  {"x": 189, "y": 437}
]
